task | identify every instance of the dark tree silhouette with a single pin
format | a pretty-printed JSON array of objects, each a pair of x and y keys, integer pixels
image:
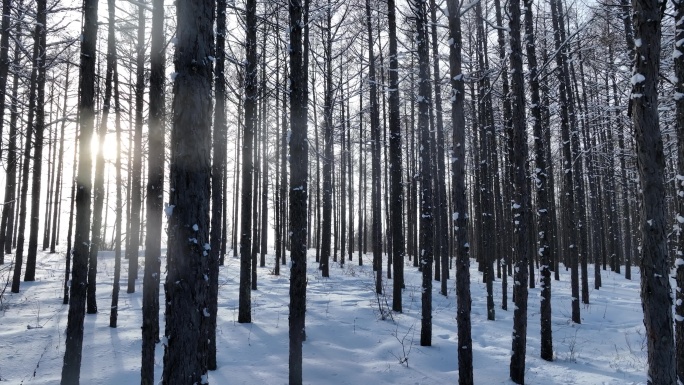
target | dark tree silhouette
[{"x": 185, "y": 338}]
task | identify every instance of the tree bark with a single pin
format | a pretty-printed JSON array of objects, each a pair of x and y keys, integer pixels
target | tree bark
[
  {"x": 376, "y": 217},
  {"x": 568, "y": 215},
  {"x": 7, "y": 224},
  {"x": 396, "y": 189},
  {"x": 135, "y": 202},
  {"x": 328, "y": 160},
  {"x": 245, "y": 302},
  {"x": 74, "y": 333},
  {"x": 39, "y": 129},
  {"x": 155, "y": 195},
  {"x": 679, "y": 181},
  {"x": 219, "y": 147},
  {"x": 298, "y": 186},
  {"x": 655, "y": 269},
  {"x": 116, "y": 287},
  {"x": 60, "y": 166},
  {"x": 426, "y": 194},
  {"x": 98, "y": 187},
  {"x": 521, "y": 199},
  {"x": 540, "y": 178},
  {"x": 185, "y": 353},
  {"x": 458, "y": 191}
]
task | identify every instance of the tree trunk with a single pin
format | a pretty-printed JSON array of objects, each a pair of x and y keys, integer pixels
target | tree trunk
[
  {"x": 245, "y": 301},
  {"x": 298, "y": 186},
  {"x": 540, "y": 177},
  {"x": 39, "y": 128},
  {"x": 60, "y": 166},
  {"x": 328, "y": 150},
  {"x": 98, "y": 187},
  {"x": 74, "y": 332},
  {"x": 7, "y": 225},
  {"x": 135, "y": 202},
  {"x": 396, "y": 190},
  {"x": 655, "y": 269},
  {"x": 568, "y": 215},
  {"x": 458, "y": 191},
  {"x": 187, "y": 291},
  {"x": 52, "y": 152},
  {"x": 155, "y": 195},
  {"x": 521, "y": 199},
  {"x": 426, "y": 193},
  {"x": 31, "y": 127},
  {"x": 679, "y": 181},
  {"x": 219, "y": 147},
  {"x": 116, "y": 287}
]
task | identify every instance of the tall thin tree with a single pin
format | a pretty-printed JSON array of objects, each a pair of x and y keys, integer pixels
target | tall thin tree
[
  {"x": 298, "y": 185},
  {"x": 74, "y": 333},
  {"x": 185, "y": 353},
  {"x": 396, "y": 188},
  {"x": 219, "y": 144},
  {"x": 423, "y": 98},
  {"x": 133, "y": 237},
  {"x": 459, "y": 216},
  {"x": 250, "y": 105},
  {"x": 521, "y": 198},
  {"x": 655, "y": 269},
  {"x": 155, "y": 194}
]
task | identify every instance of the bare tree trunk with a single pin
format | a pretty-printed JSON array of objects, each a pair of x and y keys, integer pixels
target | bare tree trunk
[
  {"x": 298, "y": 186},
  {"x": 679, "y": 181},
  {"x": 31, "y": 128},
  {"x": 4, "y": 57},
  {"x": 458, "y": 191},
  {"x": 626, "y": 223},
  {"x": 395, "y": 163},
  {"x": 52, "y": 153},
  {"x": 540, "y": 177},
  {"x": 135, "y": 202},
  {"x": 655, "y": 269},
  {"x": 60, "y": 166},
  {"x": 187, "y": 291},
  {"x": 245, "y": 301},
  {"x": 98, "y": 188},
  {"x": 39, "y": 128},
  {"x": 328, "y": 149},
  {"x": 521, "y": 198},
  {"x": 426, "y": 194},
  {"x": 219, "y": 146},
  {"x": 376, "y": 217},
  {"x": 7, "y": 225},
  {"x": 280, "y": 147},
  {"x": 116, "y": 287},
  {"x": 72, "y": 199},
  {"x": 485, "y": 189},
  {"x": 155, "y": 196},
  {"x": 74, "y": 332},
  {"x": 570, "y": 231}
]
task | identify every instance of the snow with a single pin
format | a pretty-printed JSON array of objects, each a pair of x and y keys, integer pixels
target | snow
[
  {"x": 637, "y": 78},
  {"x": 347, "y": 342}
]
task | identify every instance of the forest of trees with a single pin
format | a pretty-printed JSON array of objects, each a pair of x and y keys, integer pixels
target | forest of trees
[{"x": 543, "y": 137}]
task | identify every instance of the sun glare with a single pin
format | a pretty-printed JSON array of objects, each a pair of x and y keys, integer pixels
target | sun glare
[{"x": 109, "y": 147}]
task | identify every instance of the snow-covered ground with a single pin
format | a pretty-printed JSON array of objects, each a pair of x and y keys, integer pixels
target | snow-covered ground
[{"x": 347, "y": 341}]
